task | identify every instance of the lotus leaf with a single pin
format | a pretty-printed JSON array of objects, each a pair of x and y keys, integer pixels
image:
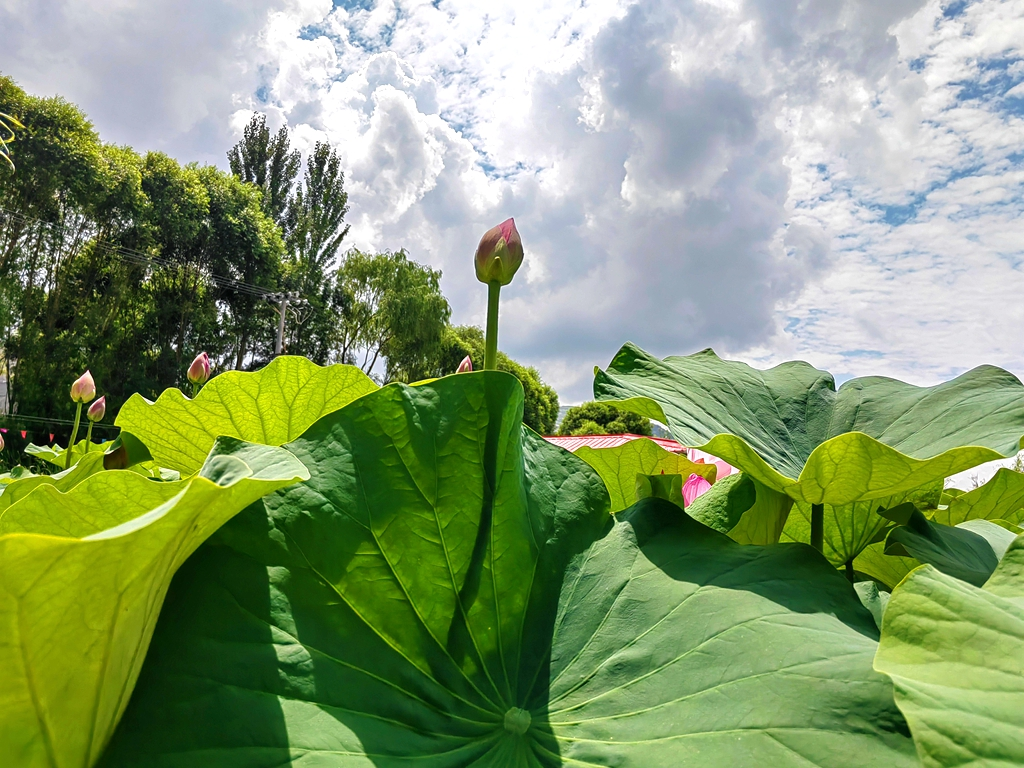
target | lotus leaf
[
  {"x": 955, "y": 653},
  {"x": 270, "y": 406},
  {"x": 619, "y": 466},
  {"x": 790, "y": 429},
  {"x": 82, "y": 578},
  {"x": 1001, "y": 498},
  {"x": 448, "y": 589}
]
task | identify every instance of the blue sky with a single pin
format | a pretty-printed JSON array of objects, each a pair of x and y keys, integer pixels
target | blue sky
[{"x": 837, "y": 181}]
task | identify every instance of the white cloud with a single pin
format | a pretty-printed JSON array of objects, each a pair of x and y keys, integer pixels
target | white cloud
[{"x": 839, "y": 180}]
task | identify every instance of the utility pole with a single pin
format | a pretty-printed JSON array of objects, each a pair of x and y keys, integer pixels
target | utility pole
[{"x": 282, "y": 300}]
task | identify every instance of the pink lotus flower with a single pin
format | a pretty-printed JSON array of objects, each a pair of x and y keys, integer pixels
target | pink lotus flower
[
  {"x": 499, "y": 254},
  {"x": 84, "y": 388},
  {"x": 199, "y": 371},
  {"x": 97, "y": 410},
  {"x": 466, "y": 366},
  {"x": 694, "y": 486},
  {"x": 700, "y": 457}
]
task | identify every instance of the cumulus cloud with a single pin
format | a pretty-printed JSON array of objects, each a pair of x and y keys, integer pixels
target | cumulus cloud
[{"x": 838, "y": 180}]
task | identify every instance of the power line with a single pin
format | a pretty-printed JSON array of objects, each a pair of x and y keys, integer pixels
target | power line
[
  {"x": 138, "y": 257},
  {"x": 16, "y": 418}
]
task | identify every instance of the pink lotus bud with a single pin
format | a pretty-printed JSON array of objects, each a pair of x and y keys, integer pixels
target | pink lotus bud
[
  {"x": 97, "y": 410},
  {"x": 499, "y": 254},
  {"x": 466, "y": 366},
  {"x": 84, "y": 388},
  {"x": 2, "y": 442},
  {"x": 694, "y": 486},
  {"x": 199, "y": 371}
]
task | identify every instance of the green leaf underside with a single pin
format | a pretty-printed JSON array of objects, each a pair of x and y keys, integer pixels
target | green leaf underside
[
  {"x": 270, "y": 406},
  {"x": 445, "y": 572},
  {"x": 1001, "y": 498},
  {"x": 890, "y": 570},
  {"x": 966, "y": 554},
  {"x": 789, "y": 428},
  {"x": 82, "y": 579},
  {"x": 62, "y": 481},
  {"x": 955, "y": 653},
  {"x": 851, "y": 528},
  {"x": 619, "y": 466},
  {"x": 55, "y": 455}
]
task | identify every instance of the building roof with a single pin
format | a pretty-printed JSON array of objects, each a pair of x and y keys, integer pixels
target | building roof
[{"x": 572, "y": 443}]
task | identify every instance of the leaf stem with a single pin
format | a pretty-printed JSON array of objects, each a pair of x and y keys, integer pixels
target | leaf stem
[
  {"x": 491, "y": 346},
  {"x": 74, "y": 436},
  {"x": 849, "y": 570},
  {"x": 88, "y": 437},
  {"x": 818, "y": 526}
]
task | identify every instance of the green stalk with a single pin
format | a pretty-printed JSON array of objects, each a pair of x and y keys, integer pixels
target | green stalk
[
  {"x": 849, "y": 570},
  {"x": 195, "y": 389},
  {"x": 818, "y": 526},
  {"x": 491, "y": 348},
  {"x": 88, "y": 437},
  {"x": 74, "y": 436}
]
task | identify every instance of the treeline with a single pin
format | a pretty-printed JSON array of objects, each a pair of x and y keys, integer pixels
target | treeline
[{"x": 130, "y": 263}]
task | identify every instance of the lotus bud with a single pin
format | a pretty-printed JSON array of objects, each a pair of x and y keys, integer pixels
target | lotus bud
[
  {"x": 499, "y": 254},
  {"x": 1, "y": 442},
  {"x": 97, "y": 410},
  {"x": 84, "y": 388},
  {"x": 466, "y": 366},
  {"x": 199, "y": 371},
  {"x": 694, "y": 486}
]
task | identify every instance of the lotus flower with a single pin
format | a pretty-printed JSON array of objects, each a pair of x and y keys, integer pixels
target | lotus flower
[
  {"x": 97, "y": 410},
  {"x": 466, "y": 366},
  {"x": 499, "y": 254},
  {"x": 694, "y": 486},
  {"x": 84, "y": 388},
  {"x": 199, "y": 371}
]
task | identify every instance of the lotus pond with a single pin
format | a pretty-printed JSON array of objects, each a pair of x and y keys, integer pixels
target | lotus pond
[{"x": 296, "y": 567}]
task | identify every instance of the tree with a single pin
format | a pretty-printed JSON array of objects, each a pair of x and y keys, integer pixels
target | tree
[
  {"x": 595, "y": 418},
  {"x": 540, "y": 411},
  {"x": 269, "y": 163},
  {"x": 316, "y": 218},
  {"x": 389, "y": 308}
]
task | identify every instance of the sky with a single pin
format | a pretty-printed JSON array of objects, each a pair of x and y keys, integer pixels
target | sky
[{"x": 834, "y": 181}]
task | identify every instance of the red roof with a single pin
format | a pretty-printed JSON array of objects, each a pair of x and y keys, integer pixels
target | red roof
[{"x": 572, "y": 443}]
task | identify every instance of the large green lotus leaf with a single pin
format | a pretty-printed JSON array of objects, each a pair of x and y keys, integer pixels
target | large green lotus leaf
[
  {"x": 82, "y": 578},
  {"x": 852, "y": 528},
  {"x": 1001, "y": 498},
  {"x": 969, "y": 551},
  {"x": 270, "y": 406},
  {"x": 62, "y": 481},
  {"x": 54, "y": 454},
  {"x": 890, "y": 570},
  {"x": 619, "y": 466},
  {"x": 955, "y": 654},
  {"x": 789, "y": 428},
  {"x": 748, "y": 511},
  {"x": 449, "y": 590}
]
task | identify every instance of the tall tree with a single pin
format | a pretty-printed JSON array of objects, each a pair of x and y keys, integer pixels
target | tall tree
[
  {"x": 269, "y": 162},
  {"x": 316, "y": 218},
  {"x": 389, "y": 310}
]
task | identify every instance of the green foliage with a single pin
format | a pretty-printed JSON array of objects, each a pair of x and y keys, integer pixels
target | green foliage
[
  {"x": 595, "y": 418},
  {"x": 268, "y": 163},
  {"x": 391, "y": 309},
  {"x": 955, "y": 654},
  {"x": 541, "y": 408},
  {"x": 83, "y": 571},
  {"x": 449, "y": 588},
  {"x": 270, "y": 406},
  {"x": 789, "y": 428}
]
